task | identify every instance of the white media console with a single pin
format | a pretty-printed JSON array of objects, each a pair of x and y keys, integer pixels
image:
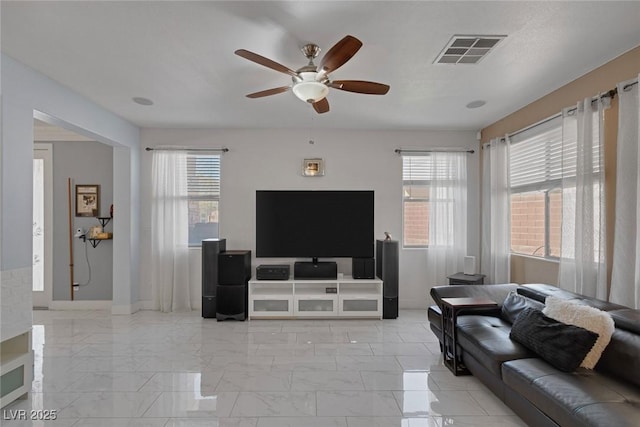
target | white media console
[{"x": 309, "y": 298}]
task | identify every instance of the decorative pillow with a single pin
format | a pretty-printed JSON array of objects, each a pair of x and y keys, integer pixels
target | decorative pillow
[
  {"x": 563, "y": 346},
  {"x": 515, "y": 303},
  {"x": 592, "y": 319}
]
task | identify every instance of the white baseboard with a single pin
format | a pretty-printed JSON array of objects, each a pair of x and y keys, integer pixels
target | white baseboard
[
  {"x": 125, "y": 309},
  {"x": 414, "y": 305},
  {"x": 80, "y": 305},
  {"x": 150, "y": 305},
  {"x": 147, "y": 305}
]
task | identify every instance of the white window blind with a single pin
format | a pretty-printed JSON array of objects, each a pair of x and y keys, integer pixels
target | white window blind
[
  {"x": 536, "y": 156},
  {"x": 417, "y": 172},
  {"x": 203, "y": 189},
  {"x": 539, "y": 157},
  {"x": 203, "y": 176},
  {"x": 425, "y": 168}
]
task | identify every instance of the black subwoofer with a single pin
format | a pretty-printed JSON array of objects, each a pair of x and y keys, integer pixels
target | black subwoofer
[
  {"x": 363, "y": 268},
  {"x": 232, "y": 302},
  {"x": 234, "y": 272},
  {"x": 234, "y": 267}
]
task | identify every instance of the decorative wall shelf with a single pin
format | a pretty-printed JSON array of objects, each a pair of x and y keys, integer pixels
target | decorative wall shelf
[
  {"x": 104, "y": 220},
  {"x": 95, "y": 241}
]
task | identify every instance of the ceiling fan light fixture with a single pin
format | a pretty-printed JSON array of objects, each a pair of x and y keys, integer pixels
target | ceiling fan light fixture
[
  {"x": 308, "y": 88},
  {"x": 310, "y": 91}
]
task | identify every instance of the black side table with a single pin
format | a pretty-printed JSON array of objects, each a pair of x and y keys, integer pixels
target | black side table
[
  {"x": 451, "y": 308},
  {"x": 466, "y": 279}
]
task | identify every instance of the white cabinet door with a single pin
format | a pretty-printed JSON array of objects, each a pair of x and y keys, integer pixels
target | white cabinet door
[
  {"x": 276, "y": 306},
  {"x": 360, "y": 306},
  {"x": 315, "y": 306}
]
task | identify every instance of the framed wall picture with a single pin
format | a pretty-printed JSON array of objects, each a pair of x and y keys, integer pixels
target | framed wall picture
[
  {"x": 313, "y": 167},
  {"x": 87, "y": 200}
]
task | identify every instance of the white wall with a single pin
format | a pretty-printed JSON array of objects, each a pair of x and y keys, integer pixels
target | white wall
[
  {"x": 85, "y": 162},
  {"x": 272, "y": 160},
  {"x": 25, "y": 92}
]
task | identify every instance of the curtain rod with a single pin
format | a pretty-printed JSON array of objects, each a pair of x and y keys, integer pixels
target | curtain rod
[
  {"x": 629, "y": 86},
  {"x": 610, "y": 94},
  {"x": 222, "y": 150},
  {"x": 436, "y": 150},
  {"x": 524, "y": 129}
]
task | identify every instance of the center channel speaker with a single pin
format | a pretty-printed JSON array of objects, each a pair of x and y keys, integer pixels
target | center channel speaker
[
  {"x": 363, "y": 268},
  {"x": 315, "y": 270}
]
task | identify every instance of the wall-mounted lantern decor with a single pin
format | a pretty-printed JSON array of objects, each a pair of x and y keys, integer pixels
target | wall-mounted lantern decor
[{"x": 313, "y": 167}]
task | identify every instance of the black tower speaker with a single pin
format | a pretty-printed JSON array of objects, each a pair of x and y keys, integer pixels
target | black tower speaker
[
  {"x": 363, "y": 268},
  {"x": 210, "y": 250},
  {"x": 234, "y": 272},
  {"x": 388, "y": 270}
]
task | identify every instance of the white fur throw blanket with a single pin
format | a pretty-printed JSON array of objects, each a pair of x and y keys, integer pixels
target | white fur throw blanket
[{"x": 586, "y": 317}]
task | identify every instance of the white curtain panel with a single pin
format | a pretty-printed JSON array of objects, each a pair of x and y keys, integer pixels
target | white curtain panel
[
  {"x": 170, "y": 231},
  {"x": 583, "y": 267},
  {"x": 496, "y": 212},
  {"x": 447, "y": 216},
  {"x": 625, "y": 276}
]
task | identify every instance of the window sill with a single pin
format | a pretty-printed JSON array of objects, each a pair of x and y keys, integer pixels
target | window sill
[{"x": 537, "y": 258}]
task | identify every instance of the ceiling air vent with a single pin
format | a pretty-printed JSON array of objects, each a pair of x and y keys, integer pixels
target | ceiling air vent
[{"x": 467, "y": 49}]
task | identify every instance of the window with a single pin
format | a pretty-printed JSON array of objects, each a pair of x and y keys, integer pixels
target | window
[
  {"x": 536, "y": 190},
  {"x": 416, "y": 176},
  {"x": 539, "y": 159},
  {"x": 203, "y": 182}
]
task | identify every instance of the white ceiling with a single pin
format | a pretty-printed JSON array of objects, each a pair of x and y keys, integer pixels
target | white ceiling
[{"x": 180, "y": 55}]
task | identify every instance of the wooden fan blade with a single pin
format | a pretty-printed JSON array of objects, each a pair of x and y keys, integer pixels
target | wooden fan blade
[
  {"x": 339, "y": 54},
  {"x": 266, "y": 62},
  {"x": 268, "y": 92},
  {"x": 360, "y": 86},
  {"x": 321, "y": 106}
]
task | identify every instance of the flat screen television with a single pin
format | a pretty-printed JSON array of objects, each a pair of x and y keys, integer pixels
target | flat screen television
[{"x": 327, "y": 224}]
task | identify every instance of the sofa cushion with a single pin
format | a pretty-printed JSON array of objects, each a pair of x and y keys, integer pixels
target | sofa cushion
[
  {"x": 589, "y": 318},
  {"x": 487, "y": 339},
  {"x": 539, "y": 292},
  {"x": 564, "y": 346},
  {"x": 580, "y": 398},
  {"x": 627, "y": 318},
  {"x": 621, "y": 357},
  {"x": 515, "y": 303}
]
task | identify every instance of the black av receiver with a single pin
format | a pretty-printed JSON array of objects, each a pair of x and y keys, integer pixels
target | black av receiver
[{"x": 273, "y": 272}]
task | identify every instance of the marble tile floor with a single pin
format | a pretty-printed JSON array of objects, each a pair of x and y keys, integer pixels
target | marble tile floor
[{"x": 153, "y": 369}]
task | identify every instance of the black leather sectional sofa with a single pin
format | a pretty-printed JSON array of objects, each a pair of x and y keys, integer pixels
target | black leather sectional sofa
[{"x": 540, "y": 394}]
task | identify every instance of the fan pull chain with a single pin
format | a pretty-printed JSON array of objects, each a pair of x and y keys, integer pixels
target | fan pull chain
[{"x": 313, "y": 113}]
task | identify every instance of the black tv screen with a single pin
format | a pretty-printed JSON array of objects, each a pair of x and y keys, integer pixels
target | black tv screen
[{"x": 314, "y": 224}]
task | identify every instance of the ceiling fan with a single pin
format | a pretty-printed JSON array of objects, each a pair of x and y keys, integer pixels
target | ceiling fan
[{"x": 311, "y": 83}]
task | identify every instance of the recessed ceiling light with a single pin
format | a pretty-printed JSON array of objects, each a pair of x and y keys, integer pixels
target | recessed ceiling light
[
  {"x": 476, "y": 104},
  {"x": 142, "y": 101}
]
